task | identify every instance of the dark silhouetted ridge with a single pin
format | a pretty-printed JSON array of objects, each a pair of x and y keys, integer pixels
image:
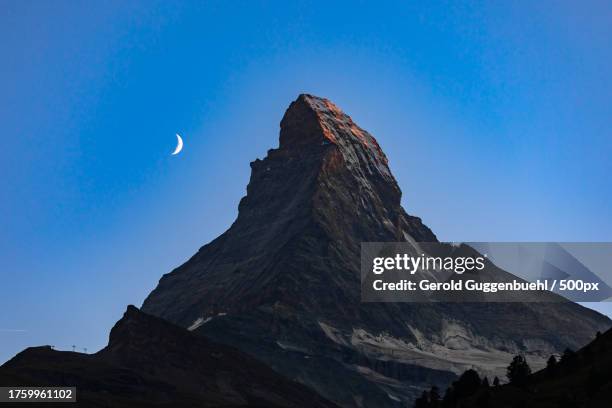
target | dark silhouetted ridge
[{"x": 150, "y": 362}]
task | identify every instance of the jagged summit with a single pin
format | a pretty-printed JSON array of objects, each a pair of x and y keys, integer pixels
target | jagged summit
[{"x": 311, "y": 120}]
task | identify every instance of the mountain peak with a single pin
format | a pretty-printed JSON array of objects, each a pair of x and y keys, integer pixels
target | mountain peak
[
  {"x": 328, "y": 184},
  {"x": 283, "y": 282},
  {"x": 314, "y": 121}
]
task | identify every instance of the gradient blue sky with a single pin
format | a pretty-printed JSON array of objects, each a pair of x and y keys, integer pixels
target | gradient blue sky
[{"x": 496, "y": 117}]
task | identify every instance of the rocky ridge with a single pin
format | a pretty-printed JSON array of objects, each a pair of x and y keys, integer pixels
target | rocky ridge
[{"x": 152, "y": 363}]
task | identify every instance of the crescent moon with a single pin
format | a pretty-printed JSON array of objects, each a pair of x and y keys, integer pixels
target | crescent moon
[{"x": 179, "y": 145}]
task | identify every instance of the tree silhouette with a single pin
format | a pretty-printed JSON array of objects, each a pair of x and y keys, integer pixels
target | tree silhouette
[
  {"x": 485, "y": 382},
  {"x": 518, "y": 371},
  {"x": 496, "y": 382},
  {"x": 568, "y": 356},
  {"x": 450, "y": 398},
  {"x": 467, "y": 384},
  {"x": 434, "y": 397},
  {"x": 422, "y": 401},
  {"x": 551, "y": 364}
]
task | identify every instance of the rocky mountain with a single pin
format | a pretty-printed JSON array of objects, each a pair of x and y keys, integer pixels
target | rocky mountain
[
  {"x": 283, "y": 282},
  {"x": 152, "y": 363}
]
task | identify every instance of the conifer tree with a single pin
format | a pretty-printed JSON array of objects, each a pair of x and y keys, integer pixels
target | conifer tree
[
  {"x": 518, "y": 371},
  {"x": 551, "y": 364}
]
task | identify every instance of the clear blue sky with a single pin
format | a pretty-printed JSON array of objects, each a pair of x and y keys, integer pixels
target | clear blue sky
[{"x": 496, "y": 117}]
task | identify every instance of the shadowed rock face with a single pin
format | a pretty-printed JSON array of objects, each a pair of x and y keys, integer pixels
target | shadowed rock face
[
  {"x": 283, "y": 282},
  {"x": 150, "y": 362}
]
